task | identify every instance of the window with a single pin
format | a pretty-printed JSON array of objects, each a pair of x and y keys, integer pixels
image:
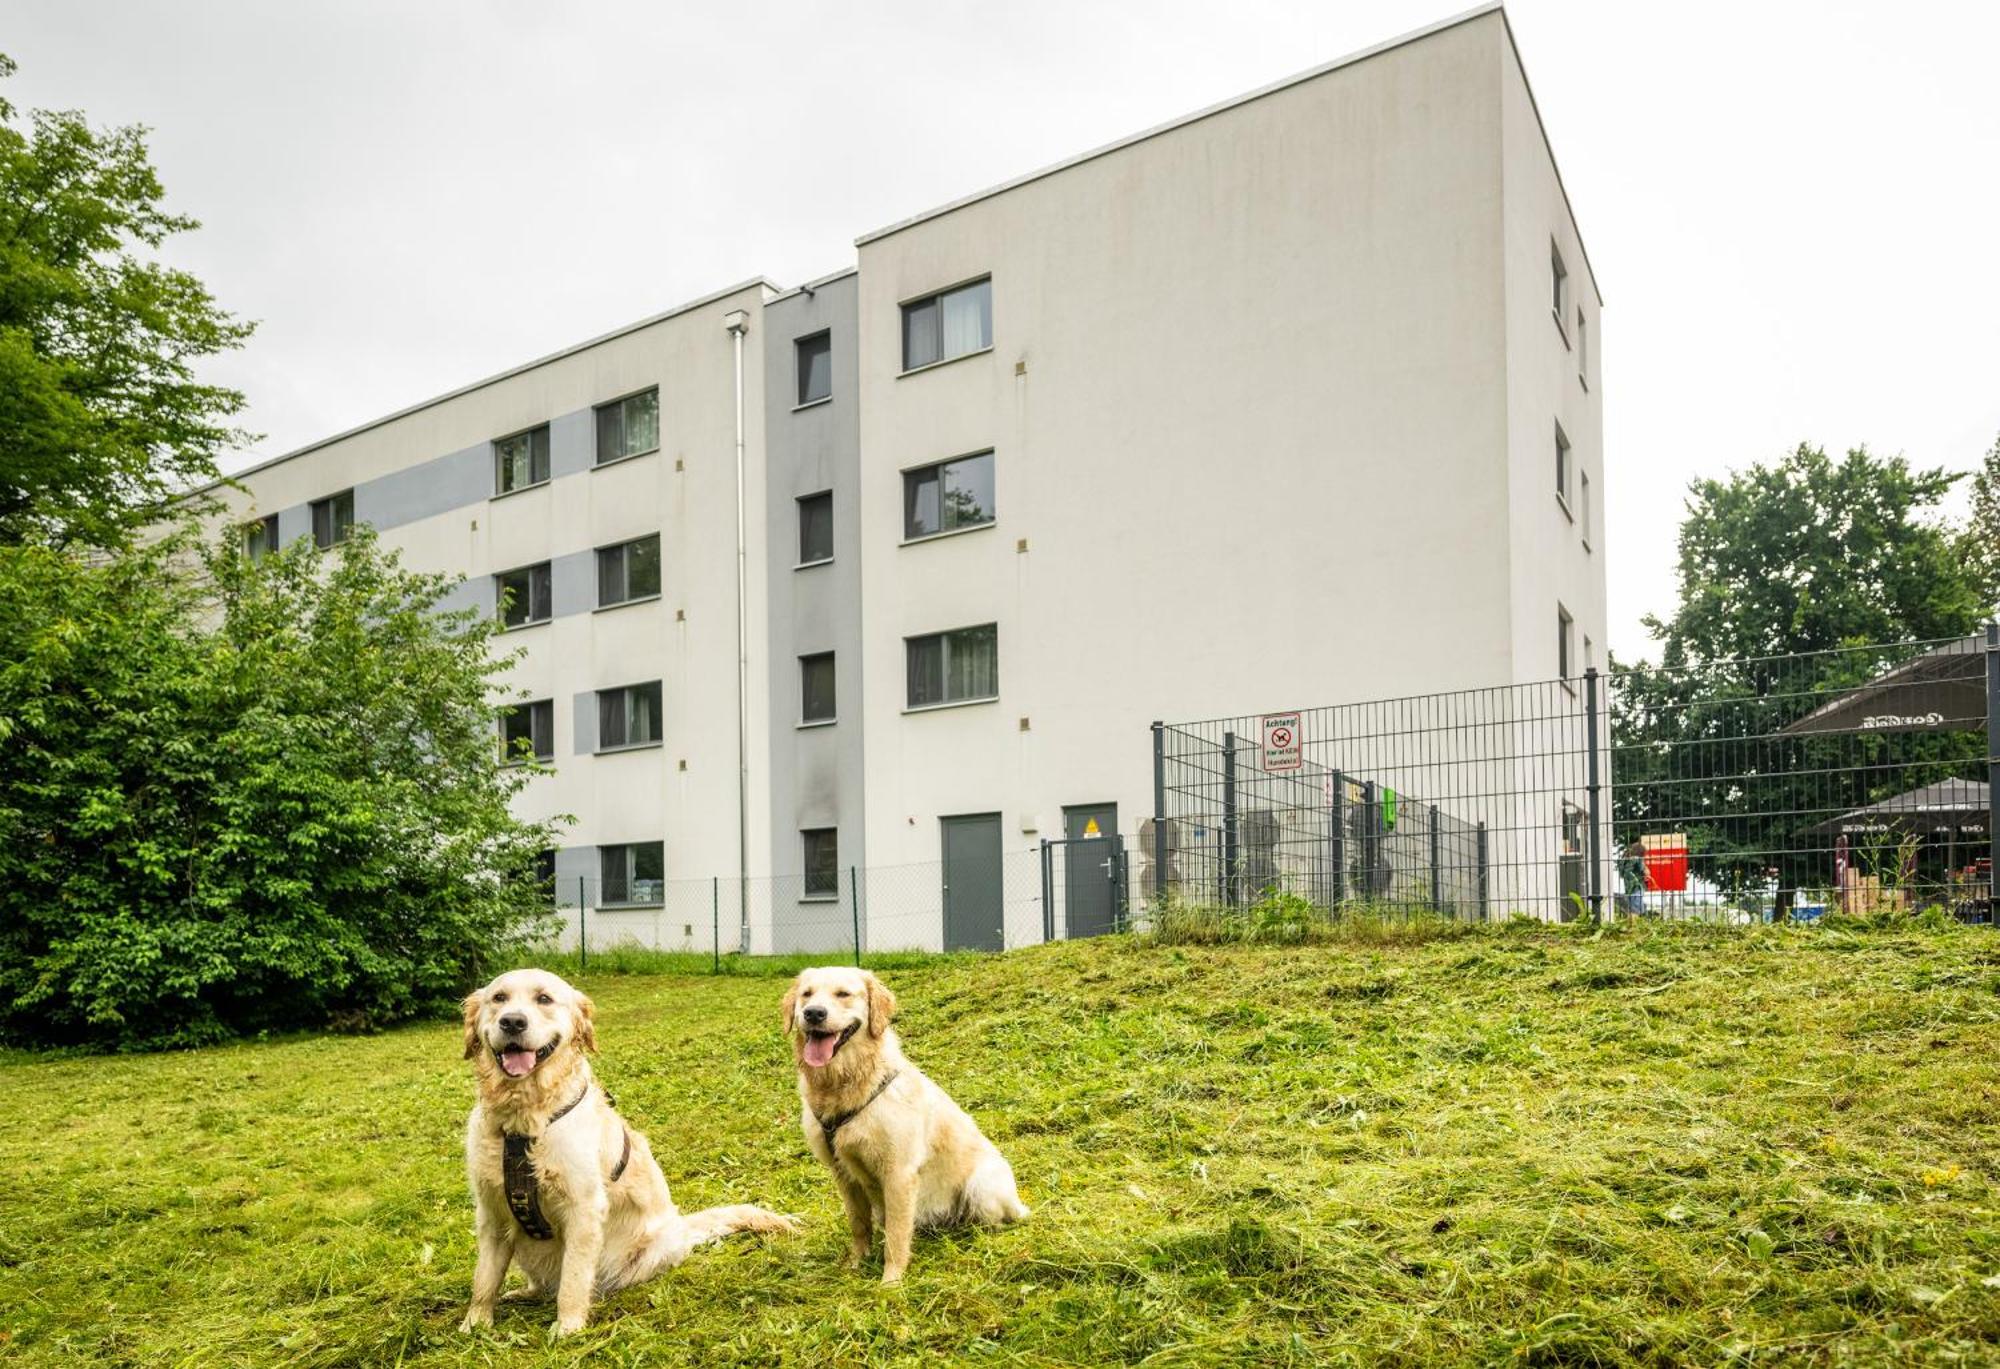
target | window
[
  {"x": 1582, "y": 351},
  {"x": 545, "y": 872},
  {"x": 1565, "y": 631},
  {"x": 333, "y": 519},
  {"x": 528, "y": 730},
  {"x": 634, "y": 873},
  {"x": 822, "y": 862},
  {"x": 629, "y": 716},
  {"x": 260, "y": 538},
  {"x": 948, "y": 496},
  {"x": 521, "y": 460},
  {"x": 815, "y": 356},
  {"x": 1562, "y": 464},
  {"x": 1583, "y": 498},
  {"x": 952, "y": 324},
  {"x": 954, "y": 667},
  {"x": 1559, "y": 298},
  {"x": 816, "y": 688},
  {"x": 628, "y": 571},
  {"x": 816, "y": 529},
  {"x": 524, "y": 595},
  {"x": 628, "y": 427}
]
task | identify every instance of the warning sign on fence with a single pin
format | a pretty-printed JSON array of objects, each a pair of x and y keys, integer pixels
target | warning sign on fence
[{"x": 1283, "y": 746}]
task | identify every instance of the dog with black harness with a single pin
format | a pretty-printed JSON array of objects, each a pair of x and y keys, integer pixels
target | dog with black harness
[{"x": 561, "y": 1184}]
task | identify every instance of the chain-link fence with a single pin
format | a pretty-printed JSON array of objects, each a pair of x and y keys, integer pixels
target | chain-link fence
[{"x": 1733, "y": 790}]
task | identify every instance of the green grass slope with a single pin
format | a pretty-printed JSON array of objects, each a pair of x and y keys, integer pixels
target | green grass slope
[{"x": 1510, "y": 1145}]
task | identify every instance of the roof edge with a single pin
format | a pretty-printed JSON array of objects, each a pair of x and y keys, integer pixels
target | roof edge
[
  {"x": 494, "y": 379},
  {"x": 1542, "y": 127},
  {"x": 1285, "y": 83},
  {"x": 807, "y": 287}
]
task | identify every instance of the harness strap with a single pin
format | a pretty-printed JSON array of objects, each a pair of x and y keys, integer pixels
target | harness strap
[
  {"x": 842, "y": 1119},
  {"x": 517, "y": 1172},
  {"x": 624, "y": 1157}
]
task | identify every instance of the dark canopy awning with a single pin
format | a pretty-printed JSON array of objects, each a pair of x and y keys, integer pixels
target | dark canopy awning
[
  {"x": 1947, "y": 806},
  {"x": 1943, "y": 690}
]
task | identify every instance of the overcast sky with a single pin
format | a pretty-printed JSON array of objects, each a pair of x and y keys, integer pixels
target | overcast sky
[{"x": 1792, "y": 209}]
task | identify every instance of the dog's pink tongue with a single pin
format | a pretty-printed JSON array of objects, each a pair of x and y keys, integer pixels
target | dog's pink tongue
[
  {"x": 819, "y": 1049},
  {"x": 518, "y": 1061}
]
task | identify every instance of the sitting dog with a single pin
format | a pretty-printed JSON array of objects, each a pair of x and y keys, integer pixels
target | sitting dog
[
  {"x": 561, "y": 1184},
  {"x": 902, "y": 1153}
]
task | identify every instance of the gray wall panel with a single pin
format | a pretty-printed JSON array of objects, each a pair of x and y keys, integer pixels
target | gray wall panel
[
  {"x": 572, "y": 443},
  {"x": 427, "y": 489},
  {"x": 294, "y": 523},
  {"x": 573, "y": 583},
  {"x": 585, "y": 708}
]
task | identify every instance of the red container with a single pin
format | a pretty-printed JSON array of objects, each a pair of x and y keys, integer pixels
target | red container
[{"x": 1666, "y": 862}]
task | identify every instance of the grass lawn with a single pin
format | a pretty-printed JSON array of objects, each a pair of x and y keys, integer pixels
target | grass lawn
[{"x": 1507, "y": 1145}]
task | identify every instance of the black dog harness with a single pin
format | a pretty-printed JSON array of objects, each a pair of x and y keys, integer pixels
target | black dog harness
[
  {"x": 832, "y": 1125},
  {"x": 517, "y": 1169}
]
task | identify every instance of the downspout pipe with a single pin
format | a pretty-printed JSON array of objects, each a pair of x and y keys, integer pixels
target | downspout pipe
[{"x": 737, "y": 321}]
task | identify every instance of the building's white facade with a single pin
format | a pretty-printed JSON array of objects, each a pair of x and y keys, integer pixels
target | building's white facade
[{"x": 1271, "y": 397}]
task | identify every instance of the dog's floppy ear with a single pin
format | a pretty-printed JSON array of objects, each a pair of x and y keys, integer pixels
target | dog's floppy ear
[
  {"x": 790, "y": 1004},
  {"x": 471, "y": 1007},
  {"x": 586, "y": 1022},
  {"x": 881, "y": 1006}
]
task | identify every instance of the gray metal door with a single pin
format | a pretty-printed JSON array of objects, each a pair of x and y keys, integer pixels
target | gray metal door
[
  {"x": 974, "y": 910},
  {"x": 1090, "y": 869}
]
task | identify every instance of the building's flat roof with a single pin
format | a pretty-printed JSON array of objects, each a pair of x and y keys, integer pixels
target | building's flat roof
[
  {"x": 753, "y": 283},
  {"x": 1415, "y": 35},
  {"x": 809, "y": 286}
]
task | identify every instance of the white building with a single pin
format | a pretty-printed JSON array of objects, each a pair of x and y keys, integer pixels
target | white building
[{"x": 1291, "y": 401}]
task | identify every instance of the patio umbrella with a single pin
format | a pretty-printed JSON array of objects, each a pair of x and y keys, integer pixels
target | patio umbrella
[
  {"x": 1943, "y": 690},
  {"x": 1947, "y": 806}
]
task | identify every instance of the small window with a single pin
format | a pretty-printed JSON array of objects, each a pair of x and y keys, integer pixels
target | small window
[
  {"x": 333, "y": 519},
  {"x": 628, "y": 571},
  {"x": 527, "y": 731},
  {"x": 545, "y": 873},
  {"x": 634, "y": 873},
  {"x": 822, "y": 861},
  {"x": 816, "y": 528},
  {"x": 816, "y": 699},
  {"x": 1562, "y": 464},
  {"x": 628, "y": 716},
  {"x": 1582, "y": 350},
  {"x": 1559, "y": 297},
  {"x": 628, "y": 427},
  {"x": 524, "y": 595},
  {"x": 1565, "y": 635},
  {"x": 954, "y": 667},
  {"x": 1583, "y": 498},
  {"x": 948, "y": 496},
  {"x": 260, "y": 538},
  {"x": 815, "y": 357},
  {"x": 952, "y": 324},
  {"x": 521, "y": 461}
]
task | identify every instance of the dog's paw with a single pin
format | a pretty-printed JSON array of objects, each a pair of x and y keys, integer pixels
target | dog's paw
[
  {"x": 476, "y": 1320},
  {"x": 855, "y": 1257},
  {"x": 891, "y": 1277}
]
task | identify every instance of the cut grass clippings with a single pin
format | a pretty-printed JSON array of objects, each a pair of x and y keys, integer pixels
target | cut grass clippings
[{"x": 1658, "y": 1145}]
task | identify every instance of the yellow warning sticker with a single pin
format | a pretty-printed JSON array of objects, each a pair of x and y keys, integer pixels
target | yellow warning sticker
[{"x": 1090, "y": 828}]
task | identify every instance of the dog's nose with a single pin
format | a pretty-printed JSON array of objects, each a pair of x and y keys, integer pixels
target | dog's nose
[
  {"x": 814, "y": 1016},
  {"x": 514, "y": 1023}
]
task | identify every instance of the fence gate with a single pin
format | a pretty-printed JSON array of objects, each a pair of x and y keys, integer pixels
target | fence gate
[{"x": 1085, "y": 883}]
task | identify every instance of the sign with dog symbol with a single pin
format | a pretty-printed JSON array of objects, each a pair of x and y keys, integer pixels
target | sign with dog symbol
[{"x": 1283, "y": 746}]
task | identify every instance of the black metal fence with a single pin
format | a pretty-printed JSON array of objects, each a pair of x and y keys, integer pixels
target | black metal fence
[{"x": 1736, "y": 790}]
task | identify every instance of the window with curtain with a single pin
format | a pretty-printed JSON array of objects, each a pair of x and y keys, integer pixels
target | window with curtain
[
  {"x": 634, "y": 873},
  {"x": 628, "y": 716},
  {"x": 953, "y": 667},
  {"x": 524, "y": 595},
  {"x": 333, "y": 519},
  {"x": 949, "y": 324},
  {"x": 816, "y": 528},
  {"x": 815, "y": 359},
  {"x": 628, "y": 427},
  {"x": 822, "y": 862},
  {"x": 816, "y": 697},
  {"x": 260, "y": 538},
  {"x": 950, "y": 495},
  {"x": 528, "y": 730},
  {"x": 628, "y": 571},
  {"x": 521, "y": 461}
]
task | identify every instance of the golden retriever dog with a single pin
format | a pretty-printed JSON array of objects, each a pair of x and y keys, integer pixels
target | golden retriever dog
[
  {"x": 561, "y": 1184},
  {"x": 902, "y": 1153}
]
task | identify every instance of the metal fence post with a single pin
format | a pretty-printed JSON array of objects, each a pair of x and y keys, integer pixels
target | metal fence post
[
  {"x": 1437, "y": 882},
  {"x": 1992, "y": 768},
  {"x": 1337, "y": 837},
  {"x": 715, "y": 916},
  {"x": 1592, "y": 702},
  {"x": 1371, "y": 842},
  {"x": 1229, "y": 832},
  {"x": 854, "y": 905},
  {"x": 1049, "y": 888},
  {"x": 582, "y": 930},
  {"x": 1159, "y": 813},
  {"x": 1484, "y": 914}
]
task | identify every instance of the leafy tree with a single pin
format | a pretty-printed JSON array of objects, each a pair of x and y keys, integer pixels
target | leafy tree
[
  {"x": 1979, "y": 543},
  {"x": 102, "y": 420},
  {"x": 238, "y": 796},
  {"x": 1791, "y": 576}
]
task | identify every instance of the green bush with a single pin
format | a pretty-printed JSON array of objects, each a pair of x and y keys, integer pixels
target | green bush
[{"x": 238, "y": 797}]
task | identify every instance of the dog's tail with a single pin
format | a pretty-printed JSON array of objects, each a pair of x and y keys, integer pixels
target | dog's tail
[{"x": 713, "y": 1223}]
